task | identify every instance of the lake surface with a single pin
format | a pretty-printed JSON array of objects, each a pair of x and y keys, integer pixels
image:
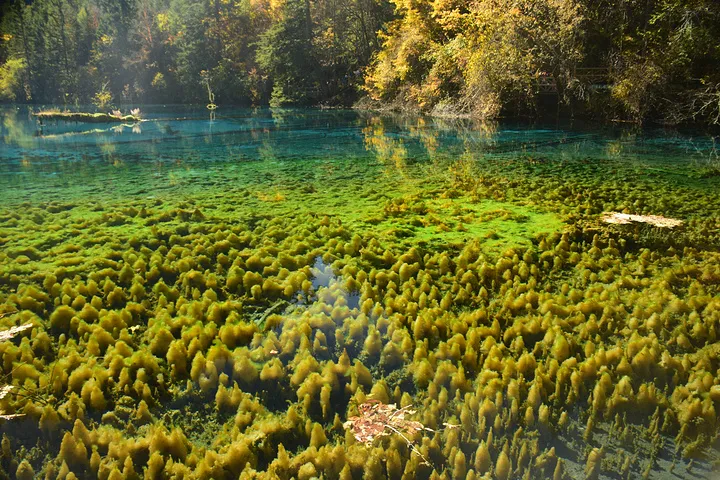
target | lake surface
[{"x": 213, "y": 298}]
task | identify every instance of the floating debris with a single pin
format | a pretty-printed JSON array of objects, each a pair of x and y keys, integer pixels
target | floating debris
[
  {"x": 10, "y": 333},
  {"x": 4, "y": 390},
  {"x": 618, "y": 218},
  {"x": 82, "y": 117},
  {"x": 11, "y": 416},
  {"x": 377, "y": 419}
]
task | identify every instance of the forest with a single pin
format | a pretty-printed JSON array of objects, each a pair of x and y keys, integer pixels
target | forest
[{"x": 632, "y": 60}]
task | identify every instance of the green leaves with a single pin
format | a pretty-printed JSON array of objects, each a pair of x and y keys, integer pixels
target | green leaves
[{"x": 12, "y": 79}]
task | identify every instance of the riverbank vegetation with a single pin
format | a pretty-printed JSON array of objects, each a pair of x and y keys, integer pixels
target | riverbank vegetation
[
  {"x": 635, "y": 60},
  {"x": 649, "y": 60}
]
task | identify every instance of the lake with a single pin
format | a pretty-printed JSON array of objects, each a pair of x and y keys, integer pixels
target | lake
[{"x": 245, "y": 296}]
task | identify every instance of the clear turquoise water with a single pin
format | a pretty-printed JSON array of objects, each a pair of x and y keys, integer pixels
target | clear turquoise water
[
  {"x": 179, "y": 149},
  {"x": 416, "y": 238}
]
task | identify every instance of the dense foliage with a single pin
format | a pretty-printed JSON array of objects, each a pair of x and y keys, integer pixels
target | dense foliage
[
  {"x": 653, "y": 59},
  {"x": 140, "y": 51},
  {"x": 631, "y": 60}
]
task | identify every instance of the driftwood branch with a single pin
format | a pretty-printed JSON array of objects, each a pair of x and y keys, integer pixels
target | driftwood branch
[{"x": 81, "y": 117}]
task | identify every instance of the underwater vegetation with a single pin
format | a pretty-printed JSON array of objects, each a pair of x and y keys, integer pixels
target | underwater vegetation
[{"x": 225, "y": 336}]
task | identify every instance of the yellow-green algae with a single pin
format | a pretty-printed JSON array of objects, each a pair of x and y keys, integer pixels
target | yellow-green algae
[{"x": 208, "y": 337}]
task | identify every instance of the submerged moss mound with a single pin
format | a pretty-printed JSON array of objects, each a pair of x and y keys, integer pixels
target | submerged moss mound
[{"x": 200, "y": 339}]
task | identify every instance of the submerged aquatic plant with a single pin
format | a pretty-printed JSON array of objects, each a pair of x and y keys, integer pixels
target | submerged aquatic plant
[{"x": 258, "y": 324}]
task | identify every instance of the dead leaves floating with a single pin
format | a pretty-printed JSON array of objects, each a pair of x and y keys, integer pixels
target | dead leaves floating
[{"x": 377, "y": 419}]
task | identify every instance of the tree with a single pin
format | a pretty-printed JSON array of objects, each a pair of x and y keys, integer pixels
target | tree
[
  {"x": 285, "y": 52},
  {"x": 11, "y": 79},
  {"x": 150, "y": 59},
  {"x": 476, "y": 56}
]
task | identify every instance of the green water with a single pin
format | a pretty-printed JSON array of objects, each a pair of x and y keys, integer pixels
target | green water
[{"x": 214, "y": 298}]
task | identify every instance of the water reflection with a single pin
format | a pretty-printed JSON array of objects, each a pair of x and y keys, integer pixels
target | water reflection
[
  {"x": 317, "y": 146},
  {"x": 14, "y": 129},
  {"x": 329, "y": 291},
  {"x": 389, "y": 150}
]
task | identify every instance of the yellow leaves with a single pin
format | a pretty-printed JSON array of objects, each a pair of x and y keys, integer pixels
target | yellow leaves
[
  {"x": 102, "y": 99},
  {"x": 390, "y": 151},
  {"x": 632, "y": 84},
  {"x": 276, "y": 6},
  {"x": 489, "y": 50},
  {"x": 6, "y": 37},
  {"x": 325, "y": 39},
  {"x": 427, "y": 94},
  {"x": 405, "y": 6},
  {"x": 448, "y": 14},
  {"x": 162, "y": 21},
  {"x": 158, "y": 80}
]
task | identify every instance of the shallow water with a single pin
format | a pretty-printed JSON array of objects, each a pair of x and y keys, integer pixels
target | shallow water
[{"x": 246, "y": 282}]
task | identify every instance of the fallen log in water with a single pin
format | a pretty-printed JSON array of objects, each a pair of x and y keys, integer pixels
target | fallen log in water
[{"x": 82, "y": 117}]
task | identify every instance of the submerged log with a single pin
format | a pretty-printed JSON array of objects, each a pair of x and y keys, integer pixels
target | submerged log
[
  {"x": 85, "y": 117},
  {"x": 625, "y": 219}
]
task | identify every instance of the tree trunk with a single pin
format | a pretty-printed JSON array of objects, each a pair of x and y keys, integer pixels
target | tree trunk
[
  {"x": 308, "y": 20},
  {"x": 26, "y": 48},
  {"x": 63, "y": 37}
]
